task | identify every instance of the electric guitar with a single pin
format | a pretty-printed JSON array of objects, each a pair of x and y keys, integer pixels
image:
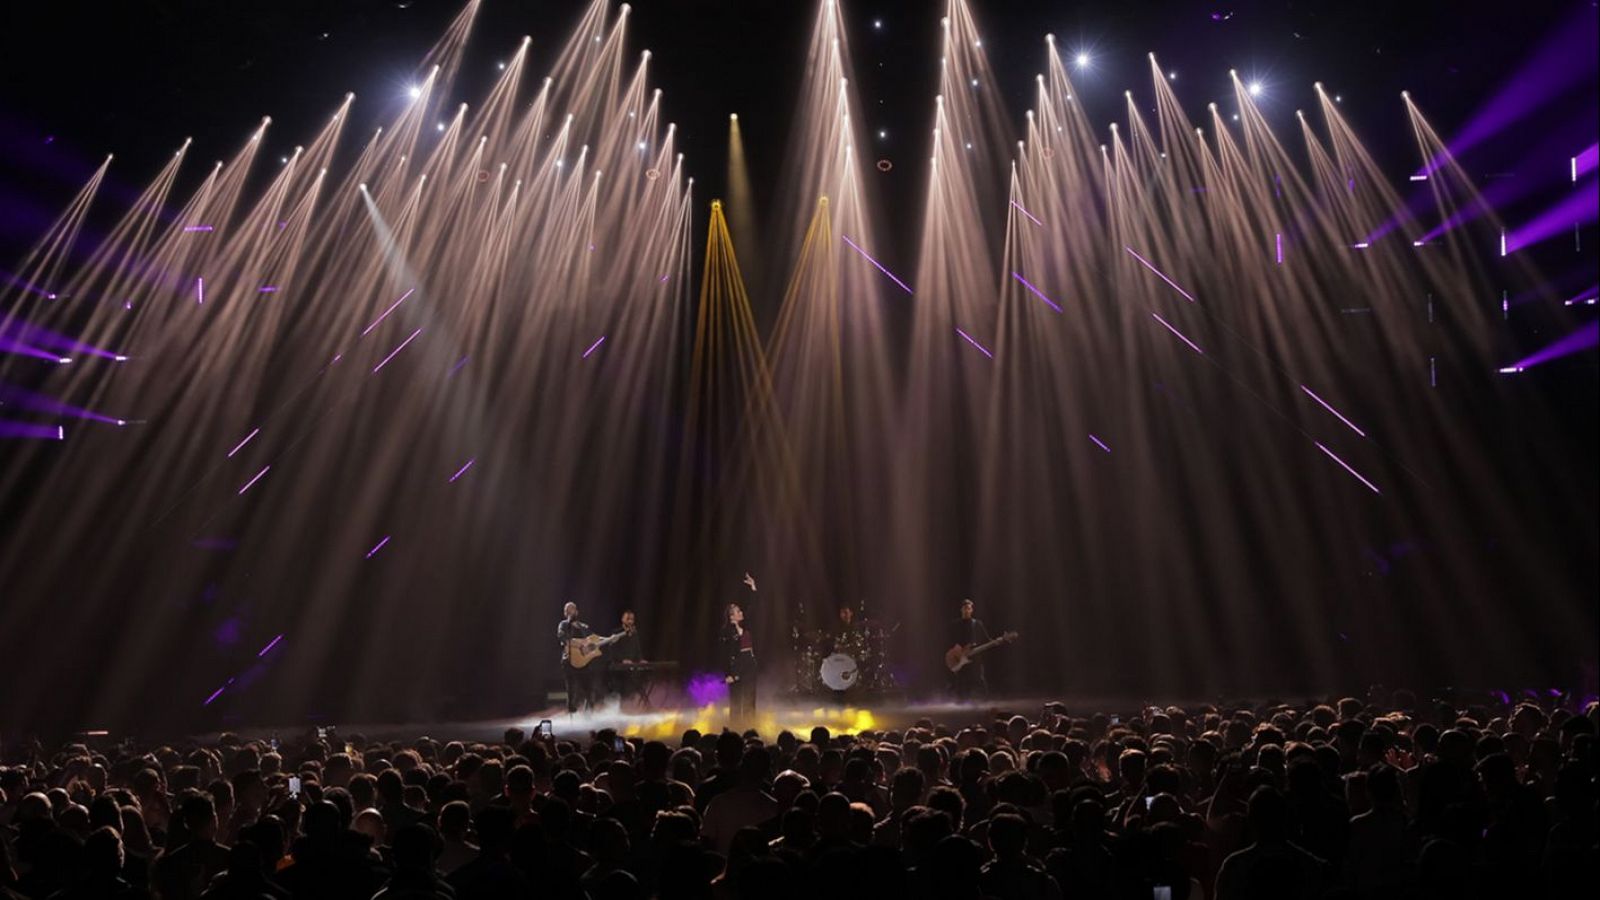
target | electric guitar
[
  {"x": 582, "y": 651},
  {"x": 960, "y": 656}
]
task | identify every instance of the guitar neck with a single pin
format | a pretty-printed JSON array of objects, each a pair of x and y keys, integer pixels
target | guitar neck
[{"x": 988, "y": 645}]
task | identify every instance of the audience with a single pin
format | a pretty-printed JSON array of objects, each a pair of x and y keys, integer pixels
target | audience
[{"x": 1386, "y": 798}]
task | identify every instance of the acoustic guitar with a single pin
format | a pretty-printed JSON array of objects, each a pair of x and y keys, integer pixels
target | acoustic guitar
[
  {"x": 960, "y": 656},
  {"x": 582, "y": 651}
]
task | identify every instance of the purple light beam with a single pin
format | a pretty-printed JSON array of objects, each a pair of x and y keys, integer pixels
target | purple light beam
[
  {"x": 247, "y": 438},
  {"x": 457, "y": 367},
  {"x": 1583, "y": 339},
  {"x": 396, "y": 350},
  {"x": 1325, "y": 405},
  {"x": 1159, "y": 273},
  {"x": 594, "y": 346},
  {"x": 1030, "y": 215},
  {"x": 247, "y": 484},
  {"x": 981, "y": 348},
  {"x": 199, "y": 291},
  {"x": 877, "y": 265},
  {"x": 378, "y": 546},
  {"x": 268, "y": 648},
  {"x": 462, "y": 471},
  {"x": 1192, "y": 345},
  {"x": 1335, "y": 457},
  {"x": 386, "y": 312},
  {"x": 1099, "y": 443},
  {"x": 1035, "y": 291},
  {"x": 32, "y": 430}
]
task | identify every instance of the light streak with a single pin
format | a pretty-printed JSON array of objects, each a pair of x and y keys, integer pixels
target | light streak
[
  {"x": 1099, "y": 443},
  {"x": 462, "y": 471},
  {"x": 1192, "y": 345},
  {"x": 1279, "y": 237},
  {"x": 1335, "y": 457},
  {"x": 247, "y": 439},
  {"x": 386, "y": 312},
  {"x": 1160, "y": 274},
  {"x": 1030, "y": 215},
  {"x": 268, "y": 648},
  {"x": 194, "y": 228},
  {"x": 981, "y": 348},
  {"x": 1329, "y": 408},
  {"x": 378, "y": 546},
  {"x": 457, "y": 367},
  {"x": 877, "y": 265},
  {"x": 1035, "y": 291},
  {"x": 396, "y": 350},
  {"x": 247, "y": 484},
  {"x": 199, "y": 291},
  {"x": 594, "y": 346}
]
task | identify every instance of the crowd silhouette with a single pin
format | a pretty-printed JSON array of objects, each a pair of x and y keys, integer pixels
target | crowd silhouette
[{"x": 1385, "y": 797}]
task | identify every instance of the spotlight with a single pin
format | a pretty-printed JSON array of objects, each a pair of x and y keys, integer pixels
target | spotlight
[
  {"x": 1255, "y": 88},
  {"x": 500, "y": 65},
  {"x": 438, "y": 126},
  {"x": 1172, "y": 76},
  {"x": 641, "y": 145},
  {"x": 877, "y": 24},
  {"x": 733, "y": 117},
  {"x": 1083, "y": 60},
  {"x": 415, "y": 92},
  {"x": 883, "y": 134},
  {"x": 974, "y": 82}
]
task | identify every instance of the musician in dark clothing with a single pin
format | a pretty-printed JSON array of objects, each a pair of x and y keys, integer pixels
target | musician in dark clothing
[
  {"x": 738, "y": 648},
  {"x": 626, "y": 649},
  {"x": 580, "y": 682},
  {"x": 969, "y": 632}
]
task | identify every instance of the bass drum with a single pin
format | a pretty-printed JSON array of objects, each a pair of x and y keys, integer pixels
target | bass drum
[{"x": 839, "y": 672}]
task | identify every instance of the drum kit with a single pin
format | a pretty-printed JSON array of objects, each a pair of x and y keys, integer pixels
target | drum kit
[{"x": 854, "y": 661}]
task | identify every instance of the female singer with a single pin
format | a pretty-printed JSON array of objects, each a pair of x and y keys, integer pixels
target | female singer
[{"x": 739, "y": 649}]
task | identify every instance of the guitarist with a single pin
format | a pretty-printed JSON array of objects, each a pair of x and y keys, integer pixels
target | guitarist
[
  {"x": 969, "y": 632},
  {"x": 580, "y": 682}
]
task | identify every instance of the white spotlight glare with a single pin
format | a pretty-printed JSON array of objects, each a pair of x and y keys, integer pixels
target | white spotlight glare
[
  {"x": 1083, "y": 60},
  {"x": 415, "y": 92},
  {"x": 1255, "y": 88}
]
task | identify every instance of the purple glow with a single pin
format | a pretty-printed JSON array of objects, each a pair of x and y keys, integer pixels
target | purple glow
[
  {"x": 193, "y": 228},
  {"x": 1099, "y": 443},
  {"x": 1336, "y": 413},
  {"x": 32, "y": 430},
  {"x": 199, "y": 290},
  {"x": 247, "y": 439},
  {"x": 386, "y": 312},
  {"x": 396, "y": 350},
  {"x": 268, "y": 648},
  {"x": 594, "y": 346},
  {"x": 215, "y": 694},
  {"x": 247, "y": 484},
  {"x": 1192, "y": 345},
  {"x": 877, "y": 265},
  {"x": 1335, "y": 457},
  {"x": 1360, "y": 246},
  {"x": 707, "y": 689},
  {"x": 664, "y": 279},
  {"x": 981, "y": 349},
  {"x": 1586, "y": 337},
  {"x": 267, "y": 289},
  {"x": 1028, "y": 214},
  {"x": 462, "y": 471},
  {"x": 1035, "y": 291},
  {"x": 1160, "y": 274},
  {"x": 378, "y": 546},
  {"x": 1279, "y": 237},
  {"x": 459, "y": 363},
  {"x": 1585, "y": 301},
  {"x": 1422, "y": 177}
]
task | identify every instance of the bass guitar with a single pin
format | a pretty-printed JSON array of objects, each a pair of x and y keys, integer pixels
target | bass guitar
[{"x": 960, "y": 656}]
